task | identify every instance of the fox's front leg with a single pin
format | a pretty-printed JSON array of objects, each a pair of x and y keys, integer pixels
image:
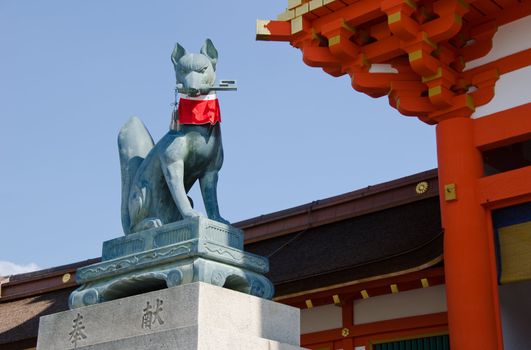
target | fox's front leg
[
  {"x": 209, "y": 185},
  {"x": 174, "y": 175}
]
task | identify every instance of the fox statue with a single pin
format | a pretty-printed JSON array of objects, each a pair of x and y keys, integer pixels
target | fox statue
[{"x": 157, "y": 177}]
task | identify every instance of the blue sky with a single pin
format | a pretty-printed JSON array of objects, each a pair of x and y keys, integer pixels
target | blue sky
[{"x": 73, "y": 72}]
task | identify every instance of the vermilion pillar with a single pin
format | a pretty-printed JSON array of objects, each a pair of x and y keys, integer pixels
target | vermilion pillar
[{"x": 468, "y": 256}]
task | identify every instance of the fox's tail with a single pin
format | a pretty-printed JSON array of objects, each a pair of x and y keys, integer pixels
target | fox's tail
[{"x": 134, "y": 143}]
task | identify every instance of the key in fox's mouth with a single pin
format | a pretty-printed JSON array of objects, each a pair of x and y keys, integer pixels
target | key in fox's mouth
[{"x": 224, "y": 85}]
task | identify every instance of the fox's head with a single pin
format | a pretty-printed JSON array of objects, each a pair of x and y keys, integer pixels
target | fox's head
[{"x": 195, "y": 71}]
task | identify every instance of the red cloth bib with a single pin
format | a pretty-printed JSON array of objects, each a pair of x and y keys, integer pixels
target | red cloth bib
[{"x": 199, "y": 110}]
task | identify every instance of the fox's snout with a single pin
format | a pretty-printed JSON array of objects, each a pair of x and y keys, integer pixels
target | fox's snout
[
  {"x": 195, "y": 73},
  {"x": 196, "y": 82}
]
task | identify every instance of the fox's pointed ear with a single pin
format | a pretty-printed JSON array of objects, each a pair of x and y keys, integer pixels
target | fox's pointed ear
[
  {"x": 210, "y": 51},
  {"x": 177, "y": 53}
]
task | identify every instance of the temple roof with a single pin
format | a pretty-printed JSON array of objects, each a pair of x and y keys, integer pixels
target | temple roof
[
  {"x": 425, "y": 56},
  {"x": 395, "y": 240}
]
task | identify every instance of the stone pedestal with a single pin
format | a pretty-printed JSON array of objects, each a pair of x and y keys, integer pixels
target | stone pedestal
[
  {"x": 188, "y": 317},
  {"x": 192, "y": 250}
]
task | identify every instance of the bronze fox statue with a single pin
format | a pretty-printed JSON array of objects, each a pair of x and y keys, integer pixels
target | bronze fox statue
[{"x": 157, "y": 177}]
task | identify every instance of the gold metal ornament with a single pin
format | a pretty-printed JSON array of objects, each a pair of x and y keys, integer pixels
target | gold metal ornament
[
  {"x": 450, "y": 193},
  {"x": 345, "y": 332},
  {"x": 422, "y": 187}
]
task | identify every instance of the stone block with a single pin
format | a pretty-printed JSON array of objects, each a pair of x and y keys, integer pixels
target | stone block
[
  {"x": 176, "y": 232},
  {"x": 192, "y": 316}
]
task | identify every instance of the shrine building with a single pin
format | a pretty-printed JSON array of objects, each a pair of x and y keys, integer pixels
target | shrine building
[
  {"x": 366, "y": 268},
  {"x": 462, "y": 66},
  {"x": 436, "y": 260}
]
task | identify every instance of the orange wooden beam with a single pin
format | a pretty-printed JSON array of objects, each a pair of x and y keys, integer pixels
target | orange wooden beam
[
  {"x": 503, "y": 128},
  {"x": 340, "y": 45},
  {"x": 316, "y": 56},
  {"x": 482, "y": 36},
  {"x": 399, "y": 18},
  {"x": 508, "y": 188},
  {"x": 273, "y": 30},
  {"x": 515, "y": 10},
  {"x": 382, "y": 50},
  {"x": 354, "y": 14},
  {"x": 449, "y": 23},
  {"x": 407, "y": 326},
  {"x": 403, "y": 324},
  {"x": 503, "y": 65}
]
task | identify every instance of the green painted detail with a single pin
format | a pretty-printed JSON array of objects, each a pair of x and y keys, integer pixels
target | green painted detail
[
  {"x": 334, "y": 40},
  {"x": 394, "y": 17},
  {"x": 438, "y": 342},
  {"x": 364, "y": 60},
  {"x": 348, "y": 27},
  {"x": 436, "y": 90},
  {"x": 458, "y": 19},
  {"x": 415, "y": 55},
  {"x": 428, "y": 41},
  {"x": 433, "y": 77},
  {"x": 470, "y": 102},
  {"x": 464, "y": 4},
  {"x": 411, "y": 4}
]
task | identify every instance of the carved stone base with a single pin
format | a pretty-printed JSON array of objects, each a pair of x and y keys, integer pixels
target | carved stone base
[
  {"x": 195, "y": 250},
  {"x": 175, "y": 232},
  {"x": 195, "y": 316}
]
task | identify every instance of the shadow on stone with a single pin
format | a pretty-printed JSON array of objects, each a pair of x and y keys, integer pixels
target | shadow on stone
[
  {"x": 128, "y": 287},
  {"x": 238, "y": 284}
]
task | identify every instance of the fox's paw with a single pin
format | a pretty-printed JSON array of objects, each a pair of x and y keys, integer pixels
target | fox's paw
[
  {"x": 220, "y": 219},
  {"x": 192, "y": 214},
  {"x": 147, "y": 224}
]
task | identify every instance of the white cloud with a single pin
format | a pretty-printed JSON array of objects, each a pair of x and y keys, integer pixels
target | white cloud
[{"x": 8, "y": 268}]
